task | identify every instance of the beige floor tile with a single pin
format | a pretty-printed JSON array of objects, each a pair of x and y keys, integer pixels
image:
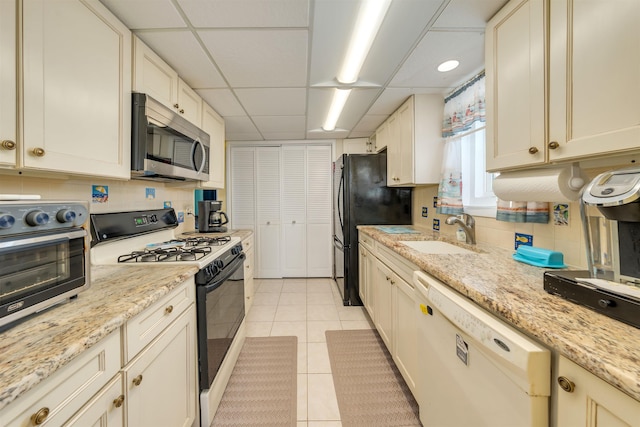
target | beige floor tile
[
  {"x": 269, "y": 285},
  {"x": 322, "y": 312},
  {"x": 319, "y": 286},
  {"x": 320, "y": 298},
  {"x": 352, "y": 313},
  {"x": 286, "y": 313},
  {"x": 324, "y": 424},
  {"x": 303, "y": 397},
  {"x": 259, "y": 329},
  {"x": 266, "y": 298},
  {"x": 294, "y": 285},
  {"x": 356, "y": 324},
  {"x": 302, "y": 357},
  {"x": 302, "y": 424},
  {"x": 285, "y": 329},
  {"x": 318, "y": 358},
  {"x": 290, "y": 298},
  {"x": 317, "y": 328},
  {"x": 322, "y": 404},
  {"x": 262, "y": 313}
]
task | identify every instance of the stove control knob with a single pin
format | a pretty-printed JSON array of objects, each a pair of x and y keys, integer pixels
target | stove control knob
[
  {"x": 6, "y": 220},
  {"x": 36, "y": 218},
  {"x": 219, "y": 264},
  {"x": 211, "y": 269},
  {"x": 65, "y": 215},
  {"x": 236, "y": 250}
]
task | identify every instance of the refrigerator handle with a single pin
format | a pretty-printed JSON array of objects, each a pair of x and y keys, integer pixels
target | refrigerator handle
[
  {"x": 337, "y": 243},
  {"x": 341, "y": 195}
]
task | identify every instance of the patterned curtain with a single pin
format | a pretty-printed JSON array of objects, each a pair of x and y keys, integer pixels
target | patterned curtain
[{"x": 463, "y": 109}]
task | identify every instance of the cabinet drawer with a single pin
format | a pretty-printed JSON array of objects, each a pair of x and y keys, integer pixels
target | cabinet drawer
[
  {"x": 248, "y": 243},
  {"x": 103, "y": 409},
  {"x": 399, "y": 264},
  {"x": 68, "y": 389},
  {"x": 366, "y": 241},
  {"x": 249, "y": 264},
  {"x": 142, "y": 329}
]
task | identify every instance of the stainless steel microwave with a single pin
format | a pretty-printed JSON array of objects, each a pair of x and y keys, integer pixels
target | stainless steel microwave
[{"x": 164, "y": 145}]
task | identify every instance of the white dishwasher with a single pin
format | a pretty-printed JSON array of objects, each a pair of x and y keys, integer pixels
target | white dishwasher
[{"x": 475, "y": 370}]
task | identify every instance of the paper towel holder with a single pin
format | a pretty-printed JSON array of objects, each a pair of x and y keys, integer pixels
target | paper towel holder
[{"x": 576, "y": 182}]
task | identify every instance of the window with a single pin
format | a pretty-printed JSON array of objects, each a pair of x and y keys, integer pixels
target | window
[{"x": 477, "y": 193}]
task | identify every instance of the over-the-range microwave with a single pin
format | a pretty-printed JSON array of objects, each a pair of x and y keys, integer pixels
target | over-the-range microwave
[{"x": 164, "y": 145}]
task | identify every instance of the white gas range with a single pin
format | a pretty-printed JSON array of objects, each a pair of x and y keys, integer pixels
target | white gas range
[{"x": 146, "y": 238}]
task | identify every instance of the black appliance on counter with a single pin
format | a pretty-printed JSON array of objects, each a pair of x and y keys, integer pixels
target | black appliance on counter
[{"x": 361, "y": 197}]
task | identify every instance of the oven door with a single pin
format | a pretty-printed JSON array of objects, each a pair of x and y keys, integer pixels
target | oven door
[
  {"x": 220, "y": 306},
  {"x": 39, "y": 270}
]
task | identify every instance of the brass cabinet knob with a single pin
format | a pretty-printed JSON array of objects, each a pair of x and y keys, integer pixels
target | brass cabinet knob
[
  {"x": 176, "y": 105},
  {"x": 118, "y": 401},
  {"x": 393, "y": 282},
  {"x": 182, "y": 111},
  {"x": 169, "y": 309},
  {"x": 387, "y": 277},
  {"x": 533, "y": 150},
  {"x": 40, "y": 416},
  {"x": 566, "y": 384},
  {"x": 553, "y": 145},
  {"x": 38, "y": 152},
  {"x": 137, "y": 380},
  {"x": 8, "y": 145}
]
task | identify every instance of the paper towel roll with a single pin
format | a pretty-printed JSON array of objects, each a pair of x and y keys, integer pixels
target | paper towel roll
[{"x": 540, "y": 185}]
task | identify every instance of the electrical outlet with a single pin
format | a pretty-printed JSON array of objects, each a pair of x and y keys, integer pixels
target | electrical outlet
[
  {"x": 188, "y": 210},
  {"x": 435, "y": 201},
  {"x": 425, "y": 211}
]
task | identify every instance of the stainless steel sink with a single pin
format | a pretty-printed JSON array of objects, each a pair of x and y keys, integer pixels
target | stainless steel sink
[{"x": 435, "y": 247}]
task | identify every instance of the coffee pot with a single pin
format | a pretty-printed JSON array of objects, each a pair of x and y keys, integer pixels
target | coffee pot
[{"x": 210, "y": 218}]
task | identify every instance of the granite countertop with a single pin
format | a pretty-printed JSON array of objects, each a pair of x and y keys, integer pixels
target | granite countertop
[
  {"x": 42, "y": 344},
  {"x": 514, "y": 291},
  {"x": 242, "y": 234}
]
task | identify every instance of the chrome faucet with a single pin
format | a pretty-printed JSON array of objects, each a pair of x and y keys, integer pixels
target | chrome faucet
[{"x": 467, "y": 223}]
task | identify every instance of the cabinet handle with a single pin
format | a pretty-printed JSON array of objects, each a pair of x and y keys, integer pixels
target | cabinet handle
[
  {"x": 533, "y": 150},
  {"x": 137, "y": 380},
  {"x": 566, "y": 384},
  {"x": 553, "y": 145},
  {"x": 38, "y": 152},
  {"x": 169, "y": 309},
  {"x": 8, "y": 145},
  {"x": 118, "y": 401},
  {"x": 39, "y": 417}
]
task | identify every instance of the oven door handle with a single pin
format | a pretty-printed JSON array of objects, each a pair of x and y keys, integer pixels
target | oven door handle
[
  {"x": 51, "y": 238},
  {"x": 234, "y": 266}
]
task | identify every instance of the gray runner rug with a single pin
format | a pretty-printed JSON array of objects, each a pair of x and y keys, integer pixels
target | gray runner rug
[
  {"x": 369, "y": 388},
  {"x": 262, "y": 389}
]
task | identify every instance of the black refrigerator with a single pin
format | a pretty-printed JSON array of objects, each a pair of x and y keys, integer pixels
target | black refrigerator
[{"x": 361, "y": 197}]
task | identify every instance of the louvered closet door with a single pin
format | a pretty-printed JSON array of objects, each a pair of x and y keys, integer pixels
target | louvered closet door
[
  {"x": 268, "y": 212},
  {"x": 319, "y": 236},
  {"x": 242, "y": 197},
  {"x": 294, "y": 221}
]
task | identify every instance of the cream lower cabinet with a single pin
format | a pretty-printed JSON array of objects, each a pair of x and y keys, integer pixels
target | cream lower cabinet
[
  {"x": 249, "y": 289},
  {"x": 584, "y": 400},
  {"x": 365, "y": 286},
  {"x": 393, "y": 308},
  {"x": 106, "y": 409},
  {"x": 76, "y": 86}
]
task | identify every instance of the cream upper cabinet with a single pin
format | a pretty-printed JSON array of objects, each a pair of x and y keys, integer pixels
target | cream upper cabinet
[
  {"x": 213, "y": 124},
  {"x": 76, "y": 89},
  {"x": 584, "y": 400},
  {"x": 515, "y": 66},
  {"x": 382, "y": 137},
  {"x": 189, "y": 103},
  {"x": 580, "y": 104},
  {"x": 594, "y": 71},
  {"x": 8, "y": 82},
  {"x": 153, "y": 76},
  {"x": 415, "y": 147}
]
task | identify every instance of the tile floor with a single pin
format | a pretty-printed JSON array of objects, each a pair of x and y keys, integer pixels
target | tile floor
[{"x": 306, "y": 308}]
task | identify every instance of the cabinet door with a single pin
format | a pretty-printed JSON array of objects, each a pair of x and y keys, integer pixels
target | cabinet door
[
  {"x": 106, "y": 409},
  {"x": 294, "y": 211},
  {"x": 405, "y": 332},
  {"x": 515, "y": 65},
  {"x": 189, "y": 103},
  {"x": 161, "y": 382},
  {"x": 366, "y": 277},
  {"x": 268, "y": 212},
  {"x": 8, "y": 82},
  {"x": 592, "y": 402},
  {"x": 153, "y": 76},
  {"x": 318, "y": 203},
  {"x": 405, "y": 143},
  {"x": 382, "y": 278},
  {"x": 213, "y": 124},
  {"x": 594, "y": 63},
  {"x": 393, "y": 150},
  {"x": 382, "y": 137},
  {"x": 77, "y": 89}
]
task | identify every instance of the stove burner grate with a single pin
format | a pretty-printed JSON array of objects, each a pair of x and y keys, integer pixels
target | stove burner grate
[{"x": 167, "y": 254}]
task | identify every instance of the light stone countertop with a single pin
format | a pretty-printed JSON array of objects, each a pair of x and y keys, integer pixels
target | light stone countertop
[
  {"x": 514, "y": 292},
  {"x": 42, "y": 344}
]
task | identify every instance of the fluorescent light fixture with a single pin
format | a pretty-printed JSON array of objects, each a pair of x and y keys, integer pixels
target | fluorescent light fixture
[
  {"x": 370, "y": 17},
  {"x": 340, "y": 97},
  {"x": 448, "y": 65}
]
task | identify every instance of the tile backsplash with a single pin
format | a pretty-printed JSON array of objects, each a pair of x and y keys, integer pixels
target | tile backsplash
[
  {"x": 567, "y": 239},
  {"x": 122, "y": 195}
]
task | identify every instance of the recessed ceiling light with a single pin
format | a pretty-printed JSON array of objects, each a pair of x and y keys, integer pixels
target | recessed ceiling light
[{"x": 448, "y": 65}]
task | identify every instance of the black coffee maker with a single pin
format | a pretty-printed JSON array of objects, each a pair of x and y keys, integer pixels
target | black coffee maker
[{"x": 211, "y": 219}]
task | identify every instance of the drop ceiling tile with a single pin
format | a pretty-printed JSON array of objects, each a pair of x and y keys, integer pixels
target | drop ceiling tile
[
  {"x": 468, "y": 13},
  {"x": 273, "y": 102},
  {"x": 259, "y": 58},
  {"x": 183, "y": 52},
  {"x": 136, "y": 14},
  {"x": 369, "y": 123},
  {"x": 246, "y": 13},
  {"x": 240, "y": 128},
  {"x": 272, "y": 126},
  {"x": 223, "y": 101},
  {"x": 437, "y": 46}
]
